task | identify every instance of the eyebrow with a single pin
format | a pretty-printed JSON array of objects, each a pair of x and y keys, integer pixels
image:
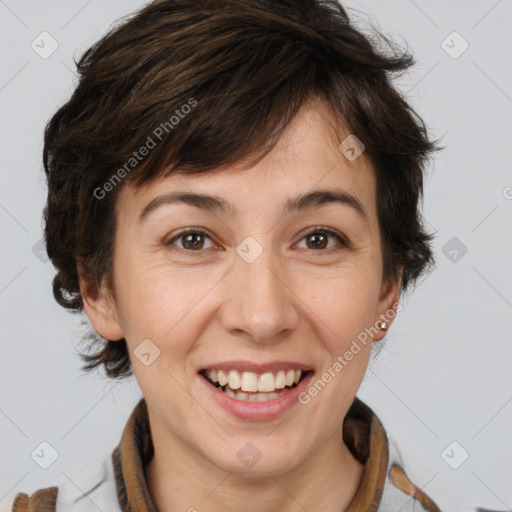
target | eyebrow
[{"x": 212, "y": 203}]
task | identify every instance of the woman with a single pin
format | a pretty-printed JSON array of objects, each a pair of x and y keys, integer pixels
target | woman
[{"x": 233, "y": 199}]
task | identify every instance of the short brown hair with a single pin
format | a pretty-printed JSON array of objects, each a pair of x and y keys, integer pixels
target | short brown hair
[{"x": 243, "y": 68}]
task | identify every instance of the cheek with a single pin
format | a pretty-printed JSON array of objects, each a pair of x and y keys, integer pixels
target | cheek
[
  {"x": 341, "y": 309},
  {"x": 345, "y": 304},
  {"x": 166, "y": 309}
]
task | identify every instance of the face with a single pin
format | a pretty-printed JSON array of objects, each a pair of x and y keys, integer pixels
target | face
[{"x": 248, "y": 291}]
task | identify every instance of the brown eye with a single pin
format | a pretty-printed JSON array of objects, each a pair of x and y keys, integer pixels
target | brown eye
[
  {"x": 319, "y": 239},
  {"x": 191, "y": 240}
]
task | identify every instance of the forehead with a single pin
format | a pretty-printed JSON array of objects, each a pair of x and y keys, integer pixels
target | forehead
[{"x": 306, "y": 158}]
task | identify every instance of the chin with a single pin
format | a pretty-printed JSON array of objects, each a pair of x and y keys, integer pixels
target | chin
[{"x": 258, "y": 456}]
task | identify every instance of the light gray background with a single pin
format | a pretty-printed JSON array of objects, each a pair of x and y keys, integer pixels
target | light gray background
[{"x": 445, "y": 372}]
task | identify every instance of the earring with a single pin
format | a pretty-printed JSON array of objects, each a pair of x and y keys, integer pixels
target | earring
[{"x": 382, "y": 325}]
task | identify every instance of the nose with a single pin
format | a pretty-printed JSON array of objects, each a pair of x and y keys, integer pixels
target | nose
[{"x": 261, "y": 304}]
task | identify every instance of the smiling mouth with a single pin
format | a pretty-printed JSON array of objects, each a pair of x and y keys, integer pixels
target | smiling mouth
[{"x": 254, "y": 387}]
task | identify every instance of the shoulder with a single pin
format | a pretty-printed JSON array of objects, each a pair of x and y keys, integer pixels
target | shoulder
[
  {"x": 400, "y": 492},
  {"x": 385, "y": 485},
  {"x": 42, "y": 500},
  {"x": 93, "y": 486}
]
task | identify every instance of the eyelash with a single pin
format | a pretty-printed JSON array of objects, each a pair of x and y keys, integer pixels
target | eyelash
[{"x": 344, "y": 243}]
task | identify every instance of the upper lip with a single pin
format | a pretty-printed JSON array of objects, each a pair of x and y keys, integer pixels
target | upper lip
[{"x": 249, "y": 366}]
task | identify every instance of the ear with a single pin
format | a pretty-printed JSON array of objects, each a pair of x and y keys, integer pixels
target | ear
[
  {"x": 100, "y": 308},
  {"x": 388, "y": 301}
]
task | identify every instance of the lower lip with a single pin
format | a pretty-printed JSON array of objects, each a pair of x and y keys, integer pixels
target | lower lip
[{"x": 258, "y": 411}]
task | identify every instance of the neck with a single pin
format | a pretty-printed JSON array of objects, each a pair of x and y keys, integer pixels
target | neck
[{"x": 326, "y": 481}]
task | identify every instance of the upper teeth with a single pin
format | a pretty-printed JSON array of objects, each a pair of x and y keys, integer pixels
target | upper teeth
[{"x": 249, "y": 381}]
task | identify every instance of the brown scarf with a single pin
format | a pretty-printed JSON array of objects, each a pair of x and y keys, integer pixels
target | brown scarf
[{"x": 363, "y": 434}]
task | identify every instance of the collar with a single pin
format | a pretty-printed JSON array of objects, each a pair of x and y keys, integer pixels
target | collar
[{"x": 363, "y": 434}]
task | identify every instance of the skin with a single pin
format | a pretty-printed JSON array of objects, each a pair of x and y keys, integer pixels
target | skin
[{"x": 295, "y": 302}]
